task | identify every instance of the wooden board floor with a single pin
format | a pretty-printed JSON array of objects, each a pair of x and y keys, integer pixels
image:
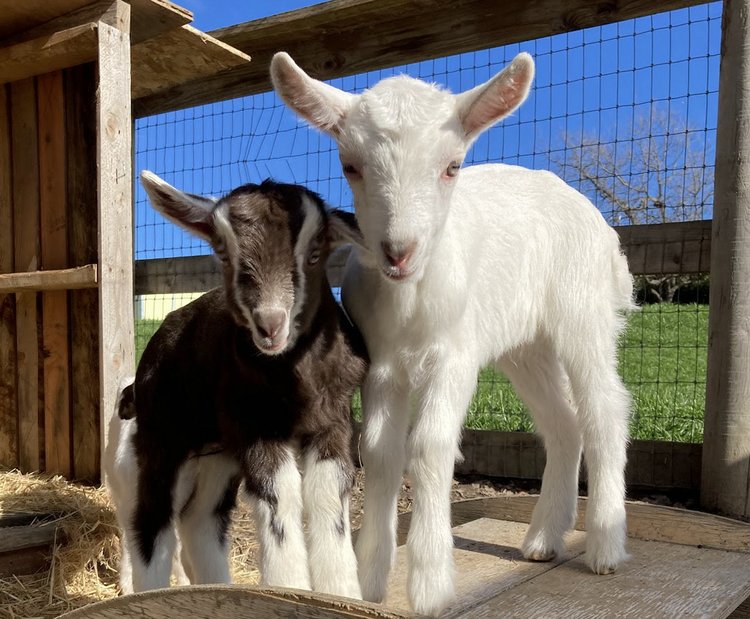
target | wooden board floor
[{"x": 702, "y": 570}]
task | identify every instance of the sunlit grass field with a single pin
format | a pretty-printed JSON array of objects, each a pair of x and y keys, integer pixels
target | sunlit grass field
[{"x": 662, "y": 359}]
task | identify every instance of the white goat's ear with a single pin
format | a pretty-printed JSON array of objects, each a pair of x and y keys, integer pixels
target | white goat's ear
[
  {"x": 194, "y": 213},
  {"x": 323, "y": 106},
  {"x": 487, "y": 103},
  {"x": 343, "y": 228}
]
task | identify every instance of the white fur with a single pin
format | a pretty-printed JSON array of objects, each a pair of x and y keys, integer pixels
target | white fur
[
  {"x": 512, "y": 267},
  {"x": 283, "y": 563},
  {"x": 333, "y": 565}
]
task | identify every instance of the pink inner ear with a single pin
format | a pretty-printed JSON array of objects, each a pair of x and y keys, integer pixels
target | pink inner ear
[{"x": 500, "y": 97}]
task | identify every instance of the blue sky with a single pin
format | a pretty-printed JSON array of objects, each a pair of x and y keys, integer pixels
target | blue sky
[{"x": 597, "y": 84}]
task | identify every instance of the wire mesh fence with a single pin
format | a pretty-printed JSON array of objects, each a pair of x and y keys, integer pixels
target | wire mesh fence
[{"x": 625, "y": 112}]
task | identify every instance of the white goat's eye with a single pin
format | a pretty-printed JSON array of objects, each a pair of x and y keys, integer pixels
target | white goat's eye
[
  {"x": 350, "y": 170},
  {"x": 452, "y": 169}
]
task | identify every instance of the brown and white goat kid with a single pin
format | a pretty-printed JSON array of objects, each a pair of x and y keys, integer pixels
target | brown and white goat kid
[{"x": 252, "y": 382}]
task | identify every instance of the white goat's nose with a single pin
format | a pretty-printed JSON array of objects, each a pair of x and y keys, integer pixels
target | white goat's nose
[
  {"x": 269, "y": 322},
  {"x": 398, "y": 254}
]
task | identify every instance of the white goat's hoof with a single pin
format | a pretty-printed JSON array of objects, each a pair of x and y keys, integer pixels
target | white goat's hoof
[
  {"x": 541, "y": 546},
  {"x": 430, "y": 591},
  {"x": 605, "y": 551}
]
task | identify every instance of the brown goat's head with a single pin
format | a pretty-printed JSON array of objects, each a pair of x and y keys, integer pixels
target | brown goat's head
[{"x": 273, "y": 240}]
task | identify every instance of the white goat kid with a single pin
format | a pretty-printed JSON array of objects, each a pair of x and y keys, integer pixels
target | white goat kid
[{"x": 493, "y": 264}]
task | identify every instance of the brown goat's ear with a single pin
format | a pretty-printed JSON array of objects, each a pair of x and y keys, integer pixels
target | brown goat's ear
[
  {"x": 484, "y": 105},
  {"x": 344, "y": 229},
  {"x": 323, "y": 106},
  {"x": 194, "y": 213}
]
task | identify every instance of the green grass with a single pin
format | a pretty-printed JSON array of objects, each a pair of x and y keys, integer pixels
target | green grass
[{"x": 662, "y": 359}]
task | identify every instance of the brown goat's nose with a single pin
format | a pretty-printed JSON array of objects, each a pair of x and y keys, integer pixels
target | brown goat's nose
[
  {"x": 398, "y": 254},
  {"x": 269, "y": 322}
]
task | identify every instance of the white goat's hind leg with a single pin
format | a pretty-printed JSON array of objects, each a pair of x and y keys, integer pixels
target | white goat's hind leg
[
  {"x": 433, "y": 448},
  {"x": 203, "y": 522},
  {"x": 540, "y": 381},
  {"x": 277, "y": 499},
  {"x": 385, "y": 414},
  {"x": 603, "y": 412},
  {"x": 326, "y": 485}
]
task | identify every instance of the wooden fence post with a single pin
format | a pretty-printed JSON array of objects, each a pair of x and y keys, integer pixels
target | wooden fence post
[{"x": 725, "y": 477}]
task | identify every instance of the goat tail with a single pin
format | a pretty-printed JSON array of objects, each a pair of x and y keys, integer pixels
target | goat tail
[{"x": 125, "y": 406}]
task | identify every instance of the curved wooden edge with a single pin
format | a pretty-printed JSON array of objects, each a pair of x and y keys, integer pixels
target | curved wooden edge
[
  {"x": 232, "y": 602},
  {"x": 646, "y": 522}
]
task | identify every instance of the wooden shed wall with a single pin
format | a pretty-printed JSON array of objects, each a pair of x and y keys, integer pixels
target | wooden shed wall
[{"x": 49, "y": 384}]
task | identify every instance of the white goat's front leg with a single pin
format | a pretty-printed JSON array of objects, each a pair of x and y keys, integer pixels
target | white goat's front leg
[
  {"x": 204, "y": 520},
  {"x": 326, "y": 486},
  {"x": 274, "y": 484},
  {"x": 541, "y": 382},
  {"x": 433, "y": 448},
  {"x": 385, "y": 413},
  {"x": 603, "y": 411}
]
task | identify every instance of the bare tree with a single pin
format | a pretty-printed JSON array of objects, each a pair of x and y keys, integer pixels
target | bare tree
[{"x": 657, "y": 174}]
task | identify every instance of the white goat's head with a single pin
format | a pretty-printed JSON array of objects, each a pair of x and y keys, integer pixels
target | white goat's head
[
  {"x": 401, "y": 145},
  {"x": 273, "y": 240}
]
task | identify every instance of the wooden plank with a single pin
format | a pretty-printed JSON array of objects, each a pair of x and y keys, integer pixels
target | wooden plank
[
  {"x": 488, "y": 561},
  {"x": 8, "y": 403},
  {"x": 149, "y": 19},
  {"x": 80, "y": 117},
  {"x": 233, "y": 602},
  {"x": 54, "y": 279},
  {"x": 115, "y": 216},
  {"x": 200, "y": 273},
  {"x": 49, "y": 53},
  {"x": 54, "y": 251},
  {"x": 346, "y": 37},
  {"x": 645, "y": 522},
  {"x": 659, "y": 580},
  {"x": 726, "y": 452},
  {"x": 25, "y": 549},
  {"x": 18, "y": 16},
  {"x": 26, "y": 231},
  {"x": 180, "y": 54}
]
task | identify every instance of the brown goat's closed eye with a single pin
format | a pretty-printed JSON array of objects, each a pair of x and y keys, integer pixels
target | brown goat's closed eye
[{"x": 265, "y": 367}]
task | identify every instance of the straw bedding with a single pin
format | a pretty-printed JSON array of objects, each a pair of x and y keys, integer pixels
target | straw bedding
[{"x": 86, "y": 554}]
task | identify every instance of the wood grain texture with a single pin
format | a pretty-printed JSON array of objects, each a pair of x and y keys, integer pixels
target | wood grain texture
[
  {"x": 150, "y": 18},
  {"x": 659, "y": 580},
  {"x": 177, "y": 56},
  {"x": 726, "y": 450},
  {"x": 18, "y": 16},
  {"x": 8, "y": 400},
  {"x": 488, "y": 561},
  {"x": 80, "y": 115},
  {"x": 233, "y": 602},
  {"x": 645, "y": 522},
  {"x": 54, "y": 252},
  {"x": 26, "y": 245},
  {"x": 346, "y": 37},
  {"x": 115, "y": 217},
  {"x": 54, "y": 279},
  {"x": 61, "y": 50}
]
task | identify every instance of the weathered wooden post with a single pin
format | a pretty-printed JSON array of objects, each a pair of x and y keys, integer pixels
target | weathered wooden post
[{"x": 725, "y": 483}]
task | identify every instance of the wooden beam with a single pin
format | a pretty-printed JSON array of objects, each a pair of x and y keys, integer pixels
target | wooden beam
[
  {"x": 18, "y": 16},
  {"x": 60, "y": 50},
  {"x": 8, "y": 399},
  {"x": 682, "y": 248},
  {"x": 73, "y": 278},
  {"x": 346, "y": 37},
  {"x": 54, "y": 251},
  {"x": 150, "y": 18},
  {"x": 115, "y": 216},
  {"x": 80, "y": 127},
  {"x": 26, "y": 245},
  {"x": 179, "y": 55},
  {"x": 726, "y": 451}
]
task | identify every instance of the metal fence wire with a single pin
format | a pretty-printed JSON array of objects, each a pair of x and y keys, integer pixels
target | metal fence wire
[{"x": 626, "y": 113}]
